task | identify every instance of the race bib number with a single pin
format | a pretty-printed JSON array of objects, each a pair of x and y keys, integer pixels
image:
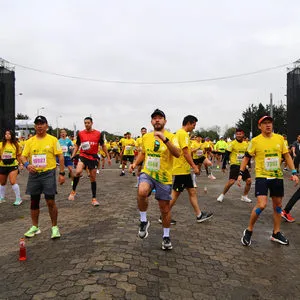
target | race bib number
[
  {"x": 271, "y": 163},
  {"x": 39, "y": 160},
  {"x": 199, "y": 152},
  {"x": 128, "y": 148},
  {"x": 7, "y": 155},
  {"x": 153, "y": 163},
  {"x": 85, "y": 146},
  {"x": 64, "y": 149},
  {"x": 239, "y": 157}
]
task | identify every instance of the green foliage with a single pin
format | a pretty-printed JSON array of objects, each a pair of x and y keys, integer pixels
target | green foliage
[
  {"x": 213, "y": 135},
  {"x": 229, "y": 133}
]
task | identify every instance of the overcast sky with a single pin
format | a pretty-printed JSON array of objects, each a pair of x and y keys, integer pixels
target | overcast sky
[{"x": 148, "y": 41}]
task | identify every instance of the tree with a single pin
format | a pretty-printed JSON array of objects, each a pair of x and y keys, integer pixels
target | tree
[
  {"x": 213, "y": 135},
  {"x": 229, "y": 133},
  {"x": 20, "y": 116}
]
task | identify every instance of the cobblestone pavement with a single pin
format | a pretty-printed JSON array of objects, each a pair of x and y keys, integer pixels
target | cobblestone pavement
[{"x": 99, "y": 255}]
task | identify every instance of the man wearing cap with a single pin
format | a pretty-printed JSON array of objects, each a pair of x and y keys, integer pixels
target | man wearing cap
[
  {"x": 128, "y": 147},
  {"x": 267, "y": 149},
  {"x": 39, "y": 158},
  {"x": 158, "y": 149},
  {"x": 235, "y": 152},
  {"x": 88, "y": 141}
]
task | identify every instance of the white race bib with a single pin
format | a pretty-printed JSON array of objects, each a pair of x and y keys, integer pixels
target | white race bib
[
  {"x": 153, "y": 163},
  {"x": 199, "y": 152},
  {"x": 239, "y": 157},
  {"x": 85, "y": 146},
  {"x": 271, "y": 163},
  {"x": 7, "y": 155},
  {"x": 64, "y": 148},
  {"x": 128, "y": 148},
  {"x": 39, "y": 160}
]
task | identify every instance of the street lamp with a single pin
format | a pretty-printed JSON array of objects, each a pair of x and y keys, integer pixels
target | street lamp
[
  {"x": 38, "y": 110},
  {"x": 57, "y": 125}
]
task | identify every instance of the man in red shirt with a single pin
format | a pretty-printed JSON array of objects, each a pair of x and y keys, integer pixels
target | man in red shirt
[{"x": 87, "y": 142}]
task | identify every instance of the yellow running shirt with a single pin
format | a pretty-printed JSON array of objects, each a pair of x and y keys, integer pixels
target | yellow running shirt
[
  {"x": 158, "y": 164},
  {"x": 221, "y": 146},
  {"x": 9, "y": 155},
  {"x": 267, "y": 152},
  {"x": 41, "y": 153},
  {"x": 195, "y": 145},
  {"x": 180, "y": 165},
  {"x": 129, "y": 145},
  {"x": 237, "y": 151}
]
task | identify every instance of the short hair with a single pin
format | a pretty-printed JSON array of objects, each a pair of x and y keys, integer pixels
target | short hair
[
  {"x": 88, "y": 118},
  {"x": 189, "y": 119},
  {"x": 143, "y": 128}
]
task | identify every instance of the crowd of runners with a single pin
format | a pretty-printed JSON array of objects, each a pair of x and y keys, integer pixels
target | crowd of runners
[{"x": 164, "y": 163}]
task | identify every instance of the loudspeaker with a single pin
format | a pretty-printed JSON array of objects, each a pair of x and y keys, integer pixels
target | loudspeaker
[
  {"x": 293, "y": 104},
  {"x": 7, "y": 100}
]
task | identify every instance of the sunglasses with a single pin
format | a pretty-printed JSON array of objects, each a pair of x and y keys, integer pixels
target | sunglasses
[{"x": 156, "y": 145}]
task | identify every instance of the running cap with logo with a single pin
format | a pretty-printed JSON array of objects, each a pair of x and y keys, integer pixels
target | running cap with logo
[
  {"x": 158, "y": 112},
  {"x": 265, "y": 118},
  {"x": 40, "y": 119}
]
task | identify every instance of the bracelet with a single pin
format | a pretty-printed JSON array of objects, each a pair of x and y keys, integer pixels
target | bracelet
[
  {"x": 241, "y": 173},
  {"x": 62, "y": 173},
  {"x": 26, "y": 164},
  {"x": 166, "y": 140},
  {"x": 294, "y": 172}
]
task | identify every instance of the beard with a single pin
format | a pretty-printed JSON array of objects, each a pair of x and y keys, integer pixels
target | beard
[{"x": 158, "y": 127}]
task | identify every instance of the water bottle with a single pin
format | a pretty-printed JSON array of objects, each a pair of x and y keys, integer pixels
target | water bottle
[
  {"x": 205, "y": 190},
  {"x": 22, "y": 254}
]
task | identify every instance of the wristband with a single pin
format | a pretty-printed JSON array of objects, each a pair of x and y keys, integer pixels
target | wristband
[
  {"x": 294, "y": 172},
  {"x": 26, "y": 164},
  {"x": 166, "y": 140},
  {"x": 241, "y": 173},
  {"x": 62, "y": 173}
]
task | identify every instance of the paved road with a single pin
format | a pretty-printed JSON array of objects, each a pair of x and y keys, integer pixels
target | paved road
[{"x": 99, "y": 255}]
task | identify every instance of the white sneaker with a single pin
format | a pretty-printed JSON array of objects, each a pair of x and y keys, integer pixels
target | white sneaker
[
  {"x": 211, "y": 176},
  {"x": 220, "y": 198},
  {"x": 98, "y": 172},
  {"x": 246, "y": 199}
]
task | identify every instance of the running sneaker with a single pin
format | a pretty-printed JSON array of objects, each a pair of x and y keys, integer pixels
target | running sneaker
[
  {"x": 122, "y": 173},
  {"x": 32, "y": 231},
  {"x": 246, "y": 199},
  {"x": 166, "y": 243},
  {"x": 204, "y": 216},
  {"x": 2, "y": 199},
  {"x": 72, "y": 196},
  {"x": 55, "y": 232},
  {"x": 173, "y": 222},
  {"x": 218, "y": 167},
  {"x": 287, "y": 216},
  {"x": 220, "y": 198},
  {"x": 246, "y": 238},
  {"x": 137, "y": 185},
  {"x": 98, "y": 172},
  {"x": 211, "y": 176},
  {"x": 279, "y": 238},
  {"x": 18, "y": 202},
  {"x": 143, "y": 231},
  {"x": 95, "y": 202}
]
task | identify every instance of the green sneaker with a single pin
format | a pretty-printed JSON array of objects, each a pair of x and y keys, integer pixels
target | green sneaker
[
  {"x": 55, "y": 232},
  {"x": 32, "y": 231},
  {"x": 18, "y": 202}
]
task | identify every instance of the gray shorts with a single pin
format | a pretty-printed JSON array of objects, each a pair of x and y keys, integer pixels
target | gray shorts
[
  {"x": 163, "y": 191},
  {"x": 42, "y": 183}
]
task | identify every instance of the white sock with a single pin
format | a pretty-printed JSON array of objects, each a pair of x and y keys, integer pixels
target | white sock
[
  {"x": 143, "y": 216},
  {"x": 199, "y": 215},
  {"x": 194, "y": 177},
  {"x": 166, "y": 232},
  {"x": 2, "y": 191},
  {"x": 16, "y": 189}
]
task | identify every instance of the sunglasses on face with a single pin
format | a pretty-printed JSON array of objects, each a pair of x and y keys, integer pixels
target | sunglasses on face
[{"x": 156, "y": 145}]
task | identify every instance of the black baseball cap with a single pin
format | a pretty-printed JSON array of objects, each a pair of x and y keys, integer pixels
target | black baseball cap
[
  {"x": 158, "y": 112},
  {"x": 40, "y": 119}
]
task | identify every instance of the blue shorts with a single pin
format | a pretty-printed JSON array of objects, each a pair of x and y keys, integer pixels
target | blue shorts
[
  {"x": 68, "y": 161},
  {"x": 163, "y": 191}
]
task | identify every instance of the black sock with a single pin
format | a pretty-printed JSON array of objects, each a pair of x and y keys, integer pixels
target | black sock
[{"x": 94, "y": 187}]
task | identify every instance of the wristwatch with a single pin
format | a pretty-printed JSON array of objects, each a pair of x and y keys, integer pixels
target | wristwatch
[
  {"x": 62, "y": 173},
  {"x": 166, "y": 140}
]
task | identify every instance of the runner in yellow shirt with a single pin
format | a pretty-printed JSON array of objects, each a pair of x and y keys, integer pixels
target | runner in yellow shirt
[
  {"x": 158, "y": 149},
  {"x": 267, "y": 149},
  {"x": 39, "y": 158},
  {"x": 220, "y": 148},
  {"x": 10, "y": 154},
  {"x": 127, "y": 152}
]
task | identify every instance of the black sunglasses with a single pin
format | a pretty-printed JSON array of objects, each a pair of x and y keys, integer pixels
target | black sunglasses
[{"x": 156, "y": 145}]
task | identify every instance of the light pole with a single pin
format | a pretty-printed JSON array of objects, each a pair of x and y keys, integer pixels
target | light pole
[
  {"x": 38, "y": 110},
  {"x": 57, "y": 125}
]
